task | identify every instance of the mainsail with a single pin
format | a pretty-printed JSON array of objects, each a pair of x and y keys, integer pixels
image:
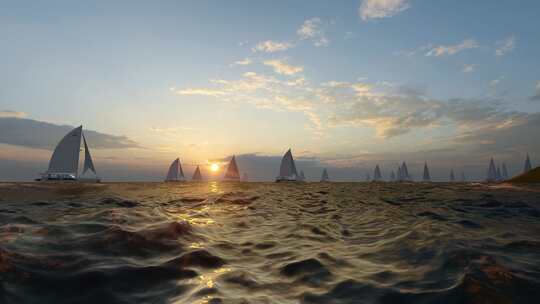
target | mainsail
[
  {"x": 232, "y": 172},
  {"x": 426, "y": 176},
  {"x": 403, "y": 173},
  {"x": 287, "y": 168},
  {"x": 528, "y": 165},
  {"x": 88, "y": 163},
  {"x": 324, "y": 176},
  {"x": 377, "y": 176},
  {"x": 65, "y": 158},
  {"x": 197, "y": 175}
]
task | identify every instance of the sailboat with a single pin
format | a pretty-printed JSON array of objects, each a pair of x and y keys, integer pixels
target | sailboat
[
  {"x": 64, "y": 163},
  {"x": 287, "y": 169},
  {"x": 492, "y": 172},
  {"x": 368, "y": 177},
  {"x": 232, "y": 173},
  {"x": 528, "y": 165},
  {"x": 403, "y": 173},
  {"x": 505, "y": 175},
  {"x": 324, "y": 176},
  {"x": 197, "y": 176},
  {"x": 377, "y": 176},
  {"x": 426, "y": 176},
  {"x": 463, "y": 178},
  {"x": 245, "y": 177},
  {"x": 452, "y": 176},
  {"x": 175, "y": 173}
]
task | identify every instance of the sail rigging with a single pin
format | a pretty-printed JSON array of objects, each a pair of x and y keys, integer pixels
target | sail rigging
[{"x": 232, "y": 172}]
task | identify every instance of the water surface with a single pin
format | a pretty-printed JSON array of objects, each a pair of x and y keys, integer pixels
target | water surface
[{"x": 269, "y": 243}]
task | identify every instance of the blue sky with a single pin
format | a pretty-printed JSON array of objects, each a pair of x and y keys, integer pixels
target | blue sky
[{"x": 347, "y": 84}]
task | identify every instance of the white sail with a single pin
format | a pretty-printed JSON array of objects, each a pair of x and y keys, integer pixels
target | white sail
[
  {"x": 287, "y": 168},
  {"x": 324, "y": 176},
  {"x": 65, "y": 158},
  {"x": 377, "y": 176},
  {"x": 426, "y": 176},
  {"x": 232, "y": 172},
  {"x": 528, "y": 165},
  {"x": 197, "y": 176},
  {"x": 88, "y": 163},
  {"x": 452, "y": 176},
  {"x": 492, "y": 172},
  {"x": 175, "y": 172}
]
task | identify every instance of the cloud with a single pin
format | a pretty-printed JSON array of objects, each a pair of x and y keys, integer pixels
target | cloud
[
  {"x": 281, "y": 67},
  {"x": 270, "y": 46},
  {"x": 469, "y": 68},
  {"x": 495, "y": 82},
  {"x": 37, "y": 134},
  {"x": 505, "y": 46},
  {"x": 245, "y": 61},
  {"x": 8, "y": 113},
  {"x": 536, "y": 96},
  {"x": 200, "y": 91},
  {"x": 443, "y": 50},
  {"x": 312, "y": 29},
  {"x": 374, "y": 9}
]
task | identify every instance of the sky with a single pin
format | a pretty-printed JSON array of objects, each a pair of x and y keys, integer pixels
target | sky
[{"x": 345, "y": 84}]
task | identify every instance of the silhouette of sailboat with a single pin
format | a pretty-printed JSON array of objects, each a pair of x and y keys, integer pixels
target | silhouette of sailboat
[
  {"x": 426, "y": 177},
  {"x": 175, "y": 173},
  {"x": 232, "y": 173},
  {"x": 377, "y": 176},
  {"x": 197, "y": 176},
  {"x": 287, "y": 169},
  {"x": 324, "y": 176}
]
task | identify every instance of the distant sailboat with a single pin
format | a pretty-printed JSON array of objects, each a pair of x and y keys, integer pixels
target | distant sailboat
[
  {"x": 426, "y": 176},
  {"x": 64, "y": 163},
  {"x": 452, "y": 176},
  {"x": 498, "y": 174},
  {"x": 403, "y": 173},
  {"x": 302, "y": 176},
  {"x": 368, "y": 177},
  {"x": 492, "y": 172},
  {"x": 324, "y": 176},
  {"x": 399, "y": 174},
  {"x": 505, "y": 175},
  {"x": 175, "y": 173},
  {"x": 287, "y": 169},
  {"x": 528, "y": 165},
  {"x": 197, "y": 176},
  {"x": 377, "y": 176},
  {"x": 463, "y": 179},
  {"x": 232, "y": 172},
  {"x": 245, "y": 177},
  {"x": 392, "y": 176}
]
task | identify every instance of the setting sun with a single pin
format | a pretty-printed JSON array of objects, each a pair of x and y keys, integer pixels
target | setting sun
[{"x": 214, "y": 167}]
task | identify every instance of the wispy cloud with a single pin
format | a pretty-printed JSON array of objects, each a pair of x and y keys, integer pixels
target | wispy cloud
[
  {"x": 374, "y": 9},
  {"x": 245, "y": 61},
  {"x": 281, "y": 67},
  {"x": 8, "y": 113},
  {"x": 312, "y": 29},
  {"x": 200, "y": 91},
  {"x": 469, "y": 68},
  {"x": 270, "y": 46},
  {"x": 505, "y": 46},
  {"x": 443, "y": 50}
]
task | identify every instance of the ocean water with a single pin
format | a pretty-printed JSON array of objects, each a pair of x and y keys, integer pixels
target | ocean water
[{"x": 269, "y": 243}]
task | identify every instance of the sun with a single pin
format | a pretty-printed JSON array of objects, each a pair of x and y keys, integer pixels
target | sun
[{"x": 214, "y": 167}]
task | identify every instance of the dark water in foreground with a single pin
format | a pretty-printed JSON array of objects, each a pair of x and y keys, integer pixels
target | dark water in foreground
[{"x": 269, "y": 243}]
